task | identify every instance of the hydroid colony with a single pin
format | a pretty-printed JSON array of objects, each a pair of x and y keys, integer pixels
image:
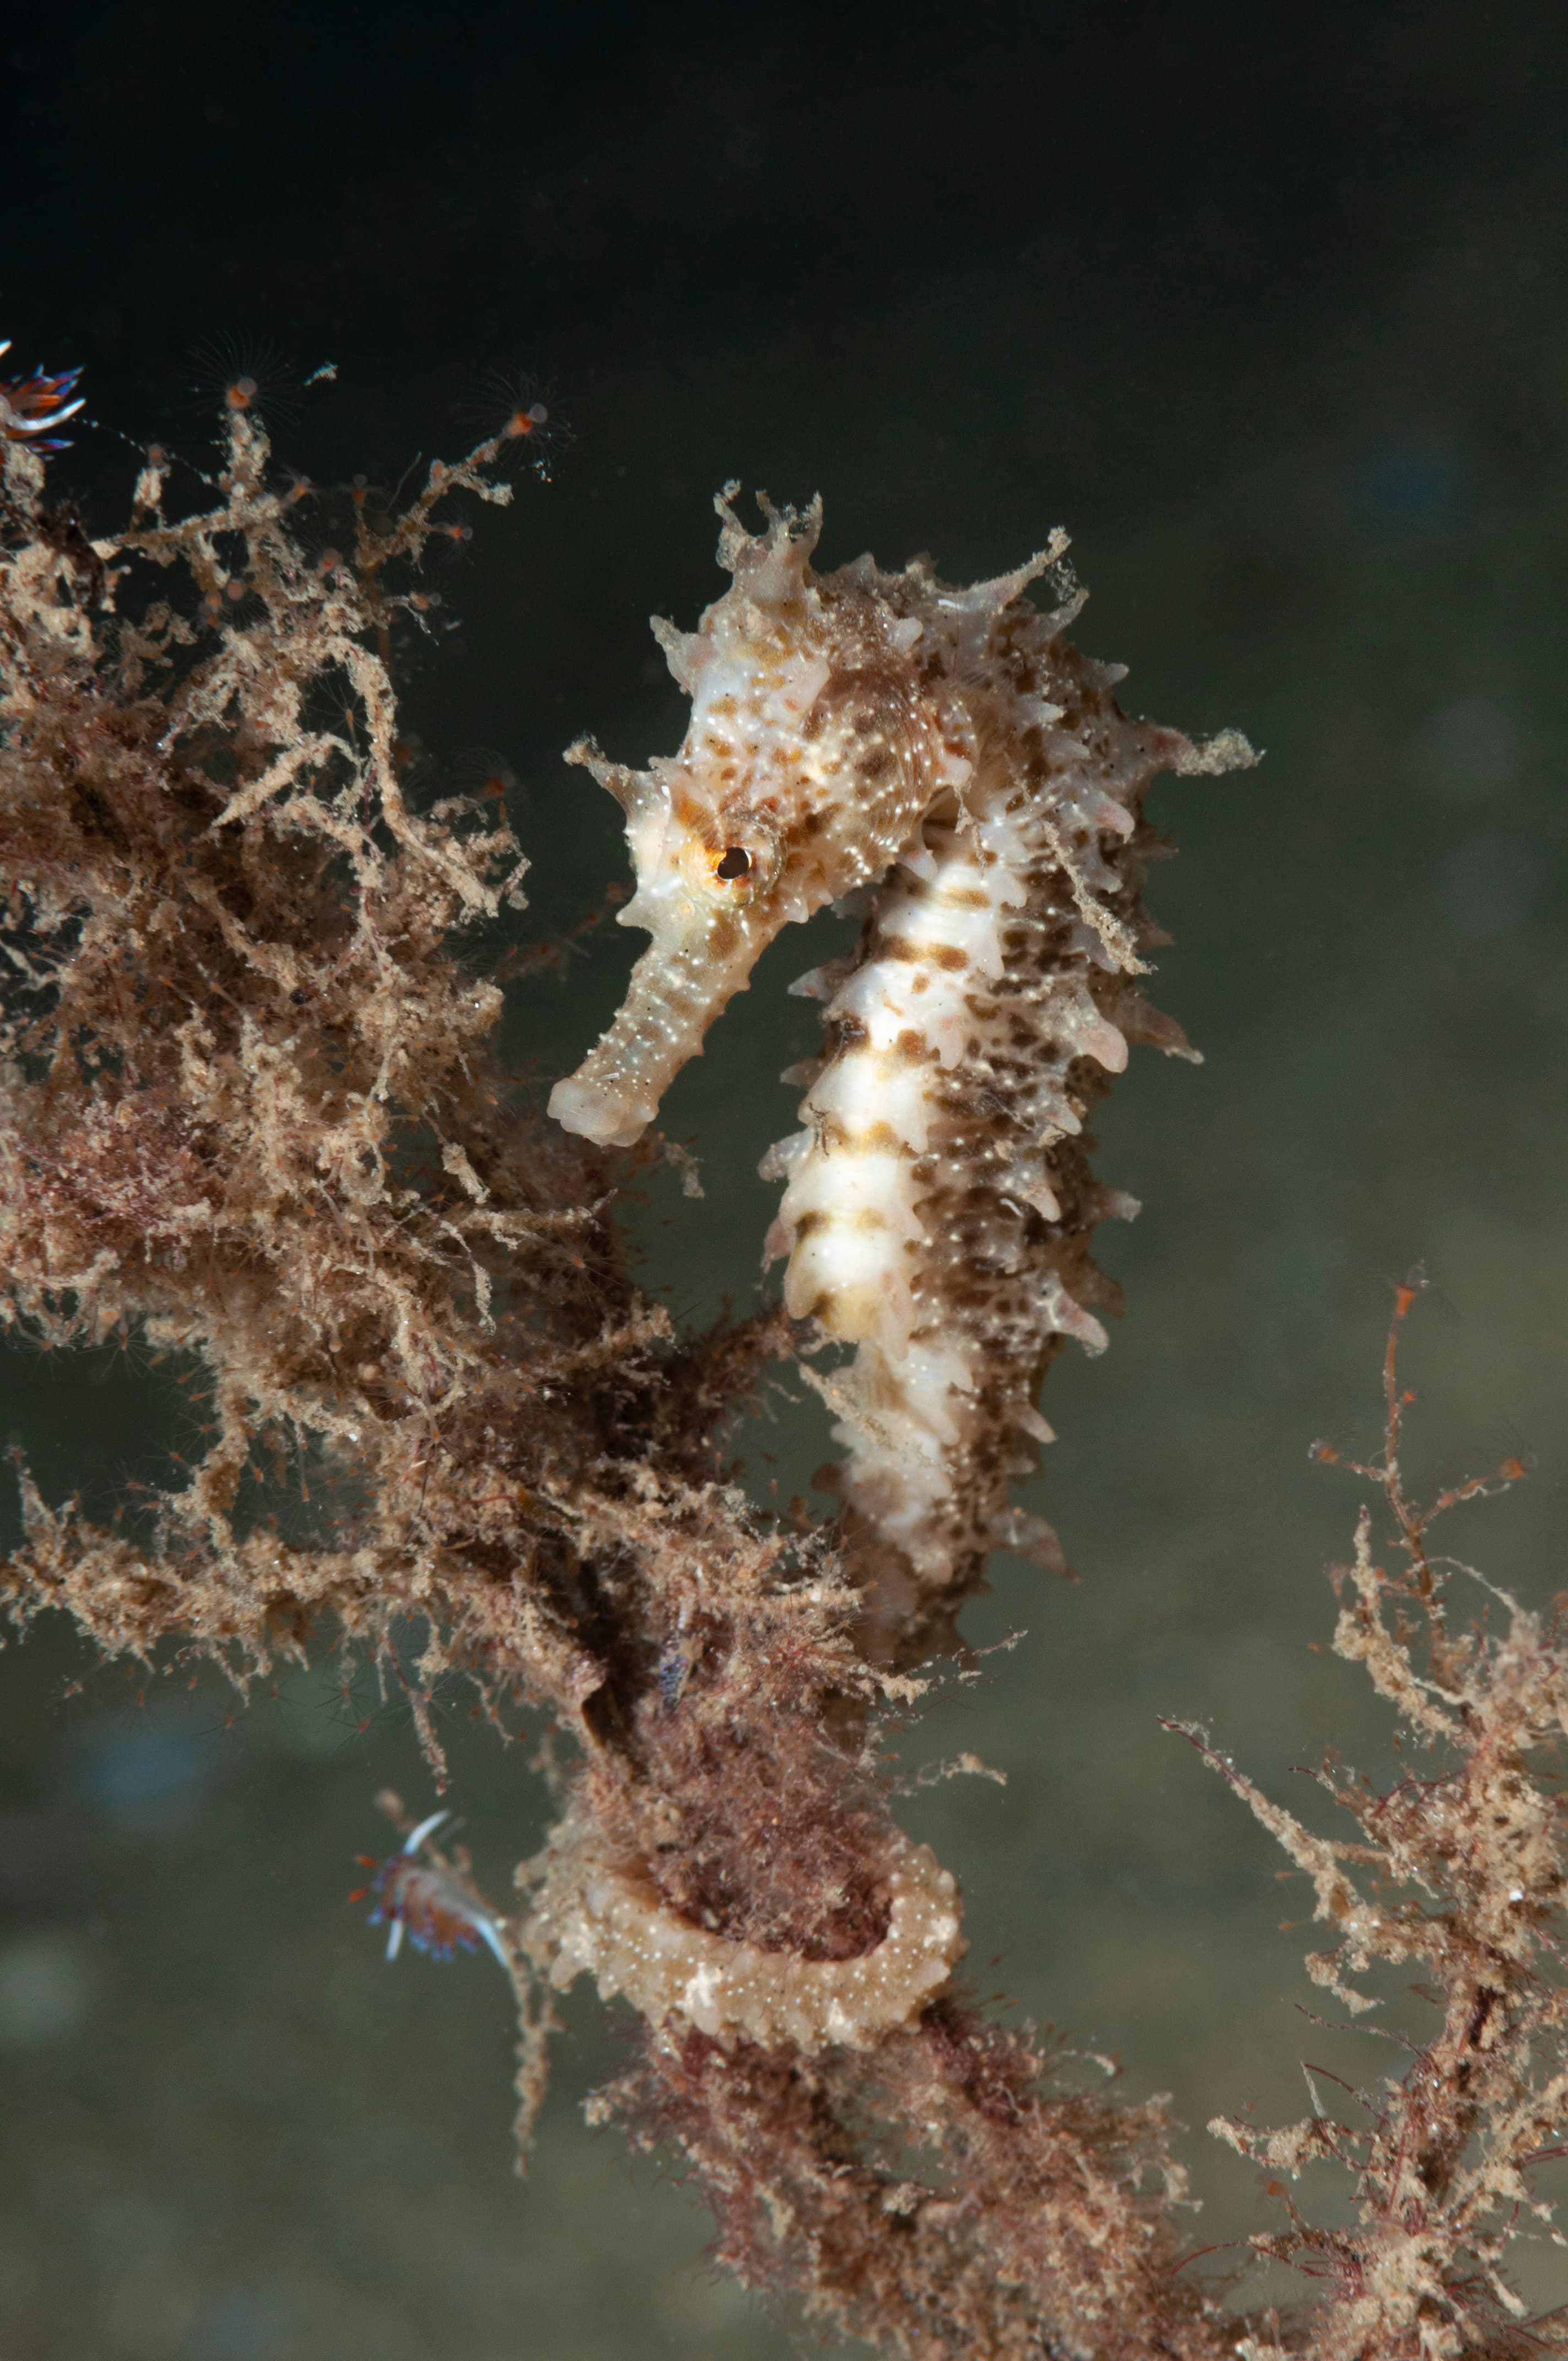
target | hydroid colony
[{"x": 248, "y": 1110}]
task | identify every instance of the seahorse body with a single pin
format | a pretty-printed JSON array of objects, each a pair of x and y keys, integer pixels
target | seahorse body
[{"x": 939, "y": 1203}]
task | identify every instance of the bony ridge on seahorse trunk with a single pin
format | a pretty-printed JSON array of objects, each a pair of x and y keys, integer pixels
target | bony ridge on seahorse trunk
[{"x": 952, "y": 748}]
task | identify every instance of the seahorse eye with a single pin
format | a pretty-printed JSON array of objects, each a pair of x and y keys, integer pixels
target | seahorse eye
[{"x": 735, "y": 863}]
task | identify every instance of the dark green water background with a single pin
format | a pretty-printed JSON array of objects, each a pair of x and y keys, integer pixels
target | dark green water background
[{"x": 1266, "y": 304}]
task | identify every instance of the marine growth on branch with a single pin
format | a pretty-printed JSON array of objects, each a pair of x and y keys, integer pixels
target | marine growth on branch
[{"x": 251, "y": 1114}]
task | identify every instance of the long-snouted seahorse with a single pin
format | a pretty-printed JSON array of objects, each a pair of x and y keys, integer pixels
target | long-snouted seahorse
[{"x": 951, "y": 748}]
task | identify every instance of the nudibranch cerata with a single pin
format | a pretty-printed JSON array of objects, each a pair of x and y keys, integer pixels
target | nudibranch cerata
[{"x": 950, "y": 749}]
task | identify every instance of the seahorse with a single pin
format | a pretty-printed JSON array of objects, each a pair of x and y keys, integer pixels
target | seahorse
[{"x": 950, "y": 750}]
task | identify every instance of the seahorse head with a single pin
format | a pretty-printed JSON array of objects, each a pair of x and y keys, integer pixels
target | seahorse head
[{"x": 815, "y": 747}]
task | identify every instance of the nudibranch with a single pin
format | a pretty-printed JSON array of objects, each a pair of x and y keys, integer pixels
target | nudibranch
[
  {"x": 437, "y": 1906},
  {"x": 32, "y": 406},
  {"x": 952, "y": 750}
]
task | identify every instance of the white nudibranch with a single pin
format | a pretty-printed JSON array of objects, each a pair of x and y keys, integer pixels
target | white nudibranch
[{"x": 951, "y": 748}]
